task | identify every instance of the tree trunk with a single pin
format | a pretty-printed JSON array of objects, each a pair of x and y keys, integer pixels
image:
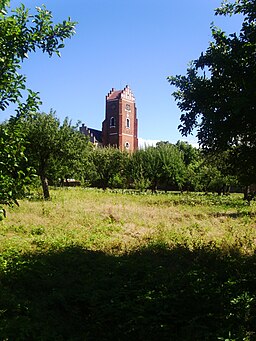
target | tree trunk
[
  {"x": 246, "y": 192},
  {"x": 45, "y": 187}
]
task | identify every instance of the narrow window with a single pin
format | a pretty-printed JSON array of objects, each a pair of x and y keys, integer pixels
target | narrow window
[
  {"x": 127, "y": 123},
  {"x": 112, "y": 122}
]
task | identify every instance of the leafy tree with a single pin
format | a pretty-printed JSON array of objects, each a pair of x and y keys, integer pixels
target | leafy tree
[
  {"x": 190, "y": 153},
  {"x": 52, "y": 147},
  {"x": 136, "y": 173},
  {"x": 15, "y": 171},
  {"x": 152, "y": 166},
  {"x": 217, "y": 96},
  {"x": 20, "y": 34},
  {"x": 172, "y": 166},
  {"x": 107, "y": 164},
  {"x": 72, "y": 156},
  {"x": 157, "y": 166},
  {"x": 207, "y": 175}
]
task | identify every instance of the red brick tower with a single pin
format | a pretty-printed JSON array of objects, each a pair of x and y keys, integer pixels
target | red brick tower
[{"x": 120, "y": 127}]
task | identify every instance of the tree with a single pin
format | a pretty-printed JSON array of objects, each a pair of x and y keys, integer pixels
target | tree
[
  {"x": 20, "y": 34},
  {"x": 72, "y": 155},
  {"x": 211, "y": 173},
  {"x": 172, "y": 166},
  {"x": 106, "y": 165},
  {"x": 15, "y": 171},
  {"x": 157, "y": 166},
  {"x": 136, "y": 171},
  {"x": 151, "y": 166},
  {"x": 53, "y": 149},
  {"x": 190, "y": 153},
  {"x": 217, "y": 96}
]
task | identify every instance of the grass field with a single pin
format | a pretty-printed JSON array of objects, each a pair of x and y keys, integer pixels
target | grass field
[{"x": 94, "y": 265}]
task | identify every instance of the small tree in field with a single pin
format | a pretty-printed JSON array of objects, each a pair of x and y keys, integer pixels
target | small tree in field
[
  {"x": 172, "y": 166},
  {"x": 52, "y": 146},
  {"x": 157, "y": 166},
  {"x": 106, "y": 164}
]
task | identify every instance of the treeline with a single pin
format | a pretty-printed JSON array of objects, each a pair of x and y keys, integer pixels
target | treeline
[
  {"x": 165, "y": 167},
  {"x": 39, "y": 147}
]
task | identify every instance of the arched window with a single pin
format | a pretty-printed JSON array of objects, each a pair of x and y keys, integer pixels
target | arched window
[
  {"x": 112, "y": 122},
  {"x": 127, "y": 145},
  {"x": 127, "y": 123}
]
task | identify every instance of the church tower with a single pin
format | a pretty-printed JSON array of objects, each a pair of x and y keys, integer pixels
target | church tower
[{"x": 120, "y": 127}]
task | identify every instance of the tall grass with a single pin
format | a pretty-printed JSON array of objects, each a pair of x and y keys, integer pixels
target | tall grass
[
  {"x": 95, "y": 265},
  {"x": 116, "y": 222}
]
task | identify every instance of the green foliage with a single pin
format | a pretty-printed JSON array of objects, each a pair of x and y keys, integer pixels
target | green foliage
[
  {"x": 165, "y": 167},
  {"x": 190, "y": 153},
  {"x": 107, "y": 167},
  {"x": 162, "y": 165},
  {"x": 136, "y": 169},
  {"x": 150, "y": 163},
  {"x": 217, "y": 95},
  {"x": 15, "y": 170},
  {"x": 212, "y": 173},
  {"x": 172, "y": 167},
  {"x": 21, "y": 34},
  {"x": 55, "y": 150}
]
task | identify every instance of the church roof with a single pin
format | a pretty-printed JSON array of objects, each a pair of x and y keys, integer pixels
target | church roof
[
  {"x": 114, "y": 94},
  {"x": 126, "y": 93},
  {"x": 93, "y": 134},
  {"x": 97, "y": 134}
]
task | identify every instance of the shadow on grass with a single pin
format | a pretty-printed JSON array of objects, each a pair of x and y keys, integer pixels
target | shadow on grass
[{"x": 151, "y": 294}]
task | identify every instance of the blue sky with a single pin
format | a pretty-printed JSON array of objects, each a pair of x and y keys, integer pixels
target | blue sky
[{"x": 135, "y": 42}]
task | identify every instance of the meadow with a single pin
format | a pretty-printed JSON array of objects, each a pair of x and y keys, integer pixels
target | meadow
[{"x": 104, "y": 265}]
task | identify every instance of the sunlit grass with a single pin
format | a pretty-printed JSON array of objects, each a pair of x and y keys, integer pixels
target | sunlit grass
[{"x": 116, "y": 222}]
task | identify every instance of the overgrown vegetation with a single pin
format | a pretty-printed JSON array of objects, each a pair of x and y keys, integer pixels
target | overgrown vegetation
[
  {"x": 22, "y": 33},
  {"x": 98, "y": 265},
  {"x": 92, "y": 264},
  {"x": 217, "y": 94}
]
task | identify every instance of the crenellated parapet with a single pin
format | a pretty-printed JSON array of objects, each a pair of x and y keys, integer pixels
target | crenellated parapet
[
  {"x": 95, "y": 136},
  {"x": 126, "y": 93}
]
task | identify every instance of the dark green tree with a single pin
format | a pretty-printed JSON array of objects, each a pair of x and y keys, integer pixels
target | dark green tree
[
  {"x": 15, "y": 171},
  {"x": 151, "y": 166},
  {"x": 211, "y": 173},
  {"x": 217, "y": 97},
  {"x": 22, "y": 33}
]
